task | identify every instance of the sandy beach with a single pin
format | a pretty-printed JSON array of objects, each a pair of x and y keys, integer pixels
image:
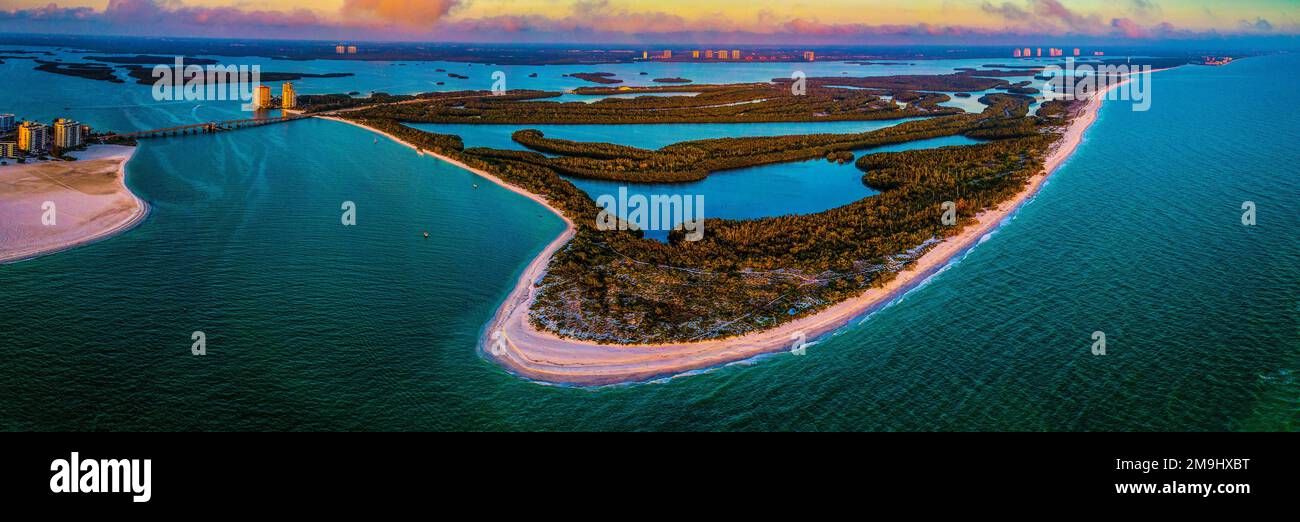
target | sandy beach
[
  {"x": 511, "y": 340},
  {"x": 90, "y": 197}
]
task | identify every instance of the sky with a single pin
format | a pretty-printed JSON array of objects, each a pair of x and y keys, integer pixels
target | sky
[{"x": 848, "y": 22}]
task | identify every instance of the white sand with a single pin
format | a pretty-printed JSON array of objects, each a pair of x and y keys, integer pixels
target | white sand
[
  {"x": 90, "y": 198},
  {"x": 543, "y": 356}
]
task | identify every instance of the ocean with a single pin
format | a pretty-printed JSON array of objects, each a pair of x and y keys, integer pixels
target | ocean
[{"x": 312, "y": 325}]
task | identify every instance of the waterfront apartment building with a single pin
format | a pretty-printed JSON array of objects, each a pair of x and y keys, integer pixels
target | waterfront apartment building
[
  {"x": 809, "y": 56},
  {"x": 288, "y": 97},
  {"x": 340, "y": 49},
  {"x": 33, "y": 138},
  {"x": 352, "y": 49},
  {"x": 8, "y": 150},
  {"x": 67, "y": 134},
  {"x": 708, "y": 54},
  {"x": 735, "y": 55},
  {"x": 695, "y": 55},
  {"x": 262, "y": 97},
  {"x": 7, "y": 122}
]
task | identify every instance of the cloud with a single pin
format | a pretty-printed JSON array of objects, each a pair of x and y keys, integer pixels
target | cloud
[
  {"x": 1044, "y": 16},
  {"x": 1259, "y": 25},
  {"x": 1145, "y": 8},
  {"x": 1055, "y": 10},
  {"x": 140, "y": 12},
  {"x": 51, "y": 12},
  {"x": 1129, "y": 28},
  {"x": 1006, "y": 11},
  {"x": 403, "y": 13},
  {"x": 603, "y": 21}
]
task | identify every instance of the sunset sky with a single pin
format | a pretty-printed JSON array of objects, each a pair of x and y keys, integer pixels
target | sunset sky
[{"x": 665, "y": 21}]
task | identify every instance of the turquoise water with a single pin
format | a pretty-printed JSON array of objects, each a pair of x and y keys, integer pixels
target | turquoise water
[
  {"x": 802, "y": 187},
  {"x": 312, "y": 325}
]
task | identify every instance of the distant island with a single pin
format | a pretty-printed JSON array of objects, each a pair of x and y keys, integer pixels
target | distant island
[
  {"x": 143, "y": 74},
  {"x": 596, "y": 77}
]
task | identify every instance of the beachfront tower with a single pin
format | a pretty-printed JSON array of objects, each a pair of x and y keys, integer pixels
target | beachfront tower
[
  {"x": 288, "y": 97},
  {"x": 1076, "y": 51},
  {"x": 340, "y": 49},
  {"x": 695, "y": 55},
  {"x": 8, "y": 150},
  {"x": 668, "y": 54},
  {"x": 352, "y": 49},
  {"x": 67, "y": 134},
  {"x": 33, "y": 138},
  {"x": 6, "y": 122},
  {"x": 262, "y": 97}
]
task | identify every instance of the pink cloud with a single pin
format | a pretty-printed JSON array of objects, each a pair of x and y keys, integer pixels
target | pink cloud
[
  {"x": 589, "y": 20},
  {"x": 413, "y": 14},
  {"x": 1129, "y": 28}
]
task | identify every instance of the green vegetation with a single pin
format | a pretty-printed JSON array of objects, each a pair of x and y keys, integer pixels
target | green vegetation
[
  {"x": 742, "y": 103},
  {"x": 749, "y": 275},
  {"x": 89, "y": 71},
  {"x": 598, "y": 77}
]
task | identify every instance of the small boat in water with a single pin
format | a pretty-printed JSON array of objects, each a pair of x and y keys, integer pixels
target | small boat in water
[{"x": 426, "y": 235}]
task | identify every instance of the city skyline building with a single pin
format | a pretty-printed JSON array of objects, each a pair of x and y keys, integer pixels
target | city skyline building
[
  {"x": 67, "y": 134},
  {"x": 33, "y": 137}
]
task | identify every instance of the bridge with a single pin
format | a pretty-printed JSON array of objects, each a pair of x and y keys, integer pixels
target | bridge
[{"x": 205, "y": 128}]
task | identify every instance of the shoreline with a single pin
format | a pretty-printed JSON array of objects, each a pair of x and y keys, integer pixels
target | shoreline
[
  {"x": 139, "y": 209},
  {"x": 549, "y": 359}
]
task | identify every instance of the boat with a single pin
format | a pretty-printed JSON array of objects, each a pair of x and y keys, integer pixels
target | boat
[{"x": 426, "y": 235}]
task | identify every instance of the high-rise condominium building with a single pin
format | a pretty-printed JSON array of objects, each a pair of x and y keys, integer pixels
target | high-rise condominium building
[
  {"x": 288, "y": 97},
  {"x": 33, "y": 137},
  {"x": 6, "y": 122},
  {"x": 262, "y": 97},
  {"x": 67, "y": 134},
  {"x": 8, "y": 149}
]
